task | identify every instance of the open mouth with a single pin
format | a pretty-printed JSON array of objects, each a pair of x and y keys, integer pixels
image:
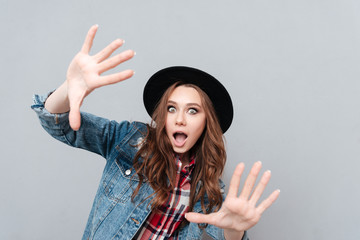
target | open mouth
[{"x": 180, "y": 138}]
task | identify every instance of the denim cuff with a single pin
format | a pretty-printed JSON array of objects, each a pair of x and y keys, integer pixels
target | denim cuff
[{"x": 47, "y": 119}]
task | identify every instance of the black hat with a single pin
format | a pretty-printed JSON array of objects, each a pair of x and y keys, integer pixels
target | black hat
[{"x": 163, "y": 79}]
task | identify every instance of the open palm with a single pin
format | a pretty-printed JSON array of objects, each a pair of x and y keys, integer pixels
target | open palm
[
  {"x": 84, "y": 73},
  {"x": 240, "y": 213}
]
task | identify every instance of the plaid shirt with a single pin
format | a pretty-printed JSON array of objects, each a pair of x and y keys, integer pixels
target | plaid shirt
[{"x": 162, "y": 225}]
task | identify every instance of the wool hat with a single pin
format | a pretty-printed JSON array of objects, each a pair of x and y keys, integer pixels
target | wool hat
[{"x": 163, "y": 79}]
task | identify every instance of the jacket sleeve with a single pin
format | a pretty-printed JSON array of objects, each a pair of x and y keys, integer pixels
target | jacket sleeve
[{"x": 96, "y": 134}]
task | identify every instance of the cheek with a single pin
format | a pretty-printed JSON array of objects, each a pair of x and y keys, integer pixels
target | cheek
[
  {"x": 202, "y": 123},
  {"x": 200, "y": 127}
]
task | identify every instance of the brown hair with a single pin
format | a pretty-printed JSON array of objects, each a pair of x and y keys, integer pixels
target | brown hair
[{"x": 155, "y": 159}]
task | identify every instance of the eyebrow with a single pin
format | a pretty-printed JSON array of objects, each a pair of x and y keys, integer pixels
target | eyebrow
[{"x": 188, "y": 104}]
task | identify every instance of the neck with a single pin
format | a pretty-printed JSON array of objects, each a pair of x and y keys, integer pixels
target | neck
[{"x": 184, "y": 157}]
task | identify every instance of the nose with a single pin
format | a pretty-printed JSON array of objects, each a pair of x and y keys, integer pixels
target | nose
[{"x": 180, "y": 119}]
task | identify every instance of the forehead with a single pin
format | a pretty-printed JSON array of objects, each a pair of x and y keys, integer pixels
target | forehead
[{"x": 185, "y": 94}]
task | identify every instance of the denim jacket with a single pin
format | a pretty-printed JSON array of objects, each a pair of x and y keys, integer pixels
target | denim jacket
[{"x": 114, "y": 215}]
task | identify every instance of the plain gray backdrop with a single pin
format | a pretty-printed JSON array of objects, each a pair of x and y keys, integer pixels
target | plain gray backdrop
[{"x": 291, "y": 67}]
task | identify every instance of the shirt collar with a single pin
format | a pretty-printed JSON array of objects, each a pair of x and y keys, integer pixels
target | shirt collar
[{"x": 187, "y": 168}]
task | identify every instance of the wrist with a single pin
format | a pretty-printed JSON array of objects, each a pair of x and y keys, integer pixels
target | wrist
[
  {"x": 230, "y": 234},
  {"x": 58, "y": 101}
]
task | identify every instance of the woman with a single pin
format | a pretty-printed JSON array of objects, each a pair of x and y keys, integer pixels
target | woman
[{"x": 161, "y": 181}]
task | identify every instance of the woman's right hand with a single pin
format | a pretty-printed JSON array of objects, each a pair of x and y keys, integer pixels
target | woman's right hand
[{"x": 84, "y": 75}]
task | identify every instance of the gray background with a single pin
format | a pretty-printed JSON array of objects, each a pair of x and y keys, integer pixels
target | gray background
[{"x": 292, "y": 68}]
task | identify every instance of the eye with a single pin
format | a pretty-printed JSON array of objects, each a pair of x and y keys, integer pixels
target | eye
[
  {"x": 192, "y": 111},
  {"x": 171, "y": 109}
]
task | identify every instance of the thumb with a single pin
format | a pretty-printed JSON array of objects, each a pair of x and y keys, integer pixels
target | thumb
[
  {"x": 198, "y": 217},
  {"x": 75, "y": 117}
]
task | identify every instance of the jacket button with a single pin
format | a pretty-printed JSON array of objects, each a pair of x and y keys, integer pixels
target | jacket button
[{"x": 127, "y": 172}]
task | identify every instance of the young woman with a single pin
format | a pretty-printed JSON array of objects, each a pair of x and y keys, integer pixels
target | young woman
[{"x": 161, "y": 180}]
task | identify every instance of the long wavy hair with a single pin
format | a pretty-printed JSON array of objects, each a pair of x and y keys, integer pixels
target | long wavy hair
[{"x": 154, "y": 162}]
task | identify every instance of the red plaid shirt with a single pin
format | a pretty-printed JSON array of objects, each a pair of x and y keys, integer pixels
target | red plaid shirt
[{"x": 162, "y": 225}]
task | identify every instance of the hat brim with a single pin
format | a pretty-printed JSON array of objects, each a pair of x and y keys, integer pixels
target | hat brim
[{"x": 163, "y": 79}]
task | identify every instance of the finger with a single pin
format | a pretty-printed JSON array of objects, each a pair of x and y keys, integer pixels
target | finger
[
  {"x": 106, "y": 52},
  {"x": 235, "y": 180},
  {"x": 74, "y": 119},
  {"x": 199, "y": 218},
  {"x": 260, "y": 187},
  {"x": 250, "y": 180},
  {"x": 115, "y": 78},
  {"x": 269, "y": 201},
  {"x": 74, "y": 115},
  {"x": 115, "y": 61},
  {"x": 89, "y": 39}
]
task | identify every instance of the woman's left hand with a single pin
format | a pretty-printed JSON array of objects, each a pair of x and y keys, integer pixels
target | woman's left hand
[{"x": 239, "y": 213}]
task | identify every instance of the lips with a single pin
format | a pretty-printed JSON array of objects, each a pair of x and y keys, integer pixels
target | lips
[{"x": 180, "y": 139}]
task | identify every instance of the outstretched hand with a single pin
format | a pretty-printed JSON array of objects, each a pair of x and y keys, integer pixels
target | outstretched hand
[
  {"x": 84, "y": 73},
  {"x": 239, "y": 213}
]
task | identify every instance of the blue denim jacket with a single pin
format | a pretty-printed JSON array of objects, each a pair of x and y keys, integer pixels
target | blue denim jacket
[{"x": 113, "y": 214}]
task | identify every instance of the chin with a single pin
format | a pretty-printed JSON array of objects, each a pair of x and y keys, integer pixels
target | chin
[{"x": 180, "y": 151}]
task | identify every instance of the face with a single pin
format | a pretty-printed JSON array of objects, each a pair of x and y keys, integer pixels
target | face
[{"x": 185, "y": 119}]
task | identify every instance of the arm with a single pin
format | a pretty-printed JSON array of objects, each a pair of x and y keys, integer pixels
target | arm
[
  {"x": 239, "y": 213},
  {"x": 84, "y": 76},
  {"x": 60, "y": 114},
  {"x": 96, "y": 134}
]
